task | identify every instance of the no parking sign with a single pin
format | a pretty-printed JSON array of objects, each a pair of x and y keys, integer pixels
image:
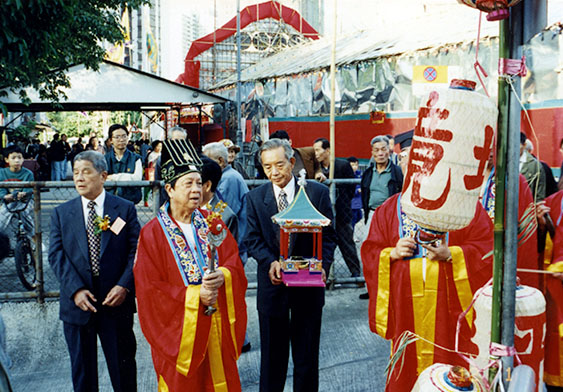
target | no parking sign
[
  {"x": 428, "y": 77},
  {"x": 435, "y": 74}
]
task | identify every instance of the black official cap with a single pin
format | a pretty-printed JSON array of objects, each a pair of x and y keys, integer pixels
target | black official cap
[
  {"x": 404, "y": 139},
  {"x": 178, "y": 157}
]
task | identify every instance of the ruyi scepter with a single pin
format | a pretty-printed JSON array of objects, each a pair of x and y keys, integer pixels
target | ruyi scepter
[{"x": 217, "y": 233}]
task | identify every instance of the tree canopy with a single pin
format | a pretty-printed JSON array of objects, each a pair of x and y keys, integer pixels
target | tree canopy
[
  {"x": 40, "y": 39},
  {"x": 84, "y": 123}
]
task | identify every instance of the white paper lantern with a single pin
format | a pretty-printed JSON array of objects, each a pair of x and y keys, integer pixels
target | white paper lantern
[
  {"x": 446, "y": 378},
  {"x": 529, "y": 330},
  {"x": 451, "y": 144}
]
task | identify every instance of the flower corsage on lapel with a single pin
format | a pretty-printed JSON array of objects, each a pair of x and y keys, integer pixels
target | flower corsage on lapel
[{"x": 101, "y": 224}]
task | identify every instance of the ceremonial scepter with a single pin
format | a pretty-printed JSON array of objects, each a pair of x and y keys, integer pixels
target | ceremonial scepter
[{"x": 215, "y": 237}]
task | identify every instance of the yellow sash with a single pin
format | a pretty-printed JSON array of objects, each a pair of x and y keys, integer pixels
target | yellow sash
[
  {"x": 383, "y": 293},
  {"x": 214, "y": 342},
  {"x": 424, "y": 298}
]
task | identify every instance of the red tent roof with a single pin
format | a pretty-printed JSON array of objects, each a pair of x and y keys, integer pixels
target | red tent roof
[{"x": 252, "y": 13}]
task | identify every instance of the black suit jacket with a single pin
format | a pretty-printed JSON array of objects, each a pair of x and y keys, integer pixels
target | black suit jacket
[
  {"x": 344, "y": 192},
  {"x": 263, "y": 242},
  {"x": 68, "y": 255}
]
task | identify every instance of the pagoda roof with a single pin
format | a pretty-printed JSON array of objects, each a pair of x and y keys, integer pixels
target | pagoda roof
[{"x": 301, "y": 213}]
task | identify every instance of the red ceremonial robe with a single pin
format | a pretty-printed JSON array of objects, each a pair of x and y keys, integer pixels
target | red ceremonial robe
[
  {"x": 527, "y": 228},
  {"x": 191, "y": 351},
  {"x": 401, "y": 300},
  {"x": 553, "y": 366}
]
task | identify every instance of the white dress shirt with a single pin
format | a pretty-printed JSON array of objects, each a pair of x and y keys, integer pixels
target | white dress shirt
[
  {"x": 188, "y": 231},
  {"x": 289, "y": 190},
  {"x": 137, "y": 175},
  {"x": 99, "y": 208}
]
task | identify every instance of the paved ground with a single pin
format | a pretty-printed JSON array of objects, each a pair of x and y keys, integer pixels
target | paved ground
[{"x": 351, "y": 357}]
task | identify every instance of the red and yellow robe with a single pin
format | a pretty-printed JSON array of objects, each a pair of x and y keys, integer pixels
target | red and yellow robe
[
  {"x": 527, "y": 227},
  {"x": 553, "y": 365},
  {"x": 401, "y": 300},
  {"x": 191, "y": 351}
]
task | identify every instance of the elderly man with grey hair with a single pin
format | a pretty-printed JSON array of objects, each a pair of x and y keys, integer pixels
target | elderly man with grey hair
[
  {"x": 381, "y": 179},
  {"x": 92, "y": 247},
  {"x": 287, "y": 315},
  {"x": 231, "y": 189}
]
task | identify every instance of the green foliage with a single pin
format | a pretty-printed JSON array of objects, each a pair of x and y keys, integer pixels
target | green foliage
[
  {"x": 24, "y": 130},
  {"x": 84, "y": 123},
  {"x": 40, "y": 39}
]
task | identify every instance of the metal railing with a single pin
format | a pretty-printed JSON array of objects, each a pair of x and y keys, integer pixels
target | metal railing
[{"x": 49, "y": 194}]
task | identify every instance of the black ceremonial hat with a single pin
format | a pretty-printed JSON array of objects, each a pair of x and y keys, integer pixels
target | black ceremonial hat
[
  {"x": 404, "y": 139},
  {"x": 178, "y": 157}
]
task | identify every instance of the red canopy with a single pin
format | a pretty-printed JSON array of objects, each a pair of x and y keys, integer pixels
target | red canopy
[{"x": 252, "y": 13}]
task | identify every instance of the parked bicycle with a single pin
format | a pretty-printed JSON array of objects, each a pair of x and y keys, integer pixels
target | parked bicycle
[{"x": 23, "y": 252}]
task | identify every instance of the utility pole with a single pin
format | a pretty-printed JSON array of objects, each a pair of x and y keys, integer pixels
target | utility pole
[
  {"x": 332, "y": 105},
  {"x": 239, "y": 133}
]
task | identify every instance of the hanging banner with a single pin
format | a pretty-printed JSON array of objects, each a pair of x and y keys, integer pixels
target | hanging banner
[
  {"x": 117, "y": 52},
  {"x": 152, "y": 49},
  {"x": 264, "y": 129}
]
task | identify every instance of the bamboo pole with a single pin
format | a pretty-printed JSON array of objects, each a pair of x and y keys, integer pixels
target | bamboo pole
[{"x": 500, "y": 181}]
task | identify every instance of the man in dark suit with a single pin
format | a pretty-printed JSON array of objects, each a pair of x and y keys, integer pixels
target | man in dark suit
[
  {"x": 286, "y": 314},
  {"x": 92, "y": 258},
  {"x": 343, "y": 204}
]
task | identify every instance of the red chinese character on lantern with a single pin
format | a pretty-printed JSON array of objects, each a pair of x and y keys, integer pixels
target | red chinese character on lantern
[
  {"x": 482, "y": 155},
  {"x": 427, "y": 155}
]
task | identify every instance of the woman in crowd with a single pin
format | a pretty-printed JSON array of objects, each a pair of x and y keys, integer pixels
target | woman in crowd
[{"x": 156, "y": 148}]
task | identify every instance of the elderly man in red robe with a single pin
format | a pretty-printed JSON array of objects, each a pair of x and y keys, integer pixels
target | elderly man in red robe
[
  {"x": 192, "y": 349},
  {"x": 423, "y": 288},
  {"x": 553, "y": 262}
]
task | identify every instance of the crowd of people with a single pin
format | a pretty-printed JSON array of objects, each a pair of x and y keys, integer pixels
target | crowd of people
[{"x": 190, "y": 288}]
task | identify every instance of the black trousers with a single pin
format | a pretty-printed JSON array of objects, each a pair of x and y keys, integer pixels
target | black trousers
[
  {"x": 345, "y": 241},
  {"x": 302, "y": 329},
  {"x": 118, "y": 343}
]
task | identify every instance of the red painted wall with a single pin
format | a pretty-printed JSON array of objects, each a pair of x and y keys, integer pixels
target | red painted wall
[
  {"x": 352, "y": 136},
  {"x": 548, "y": 125}
]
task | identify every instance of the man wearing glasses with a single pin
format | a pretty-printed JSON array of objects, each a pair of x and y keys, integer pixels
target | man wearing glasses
[{"x": 123, "y": 165}]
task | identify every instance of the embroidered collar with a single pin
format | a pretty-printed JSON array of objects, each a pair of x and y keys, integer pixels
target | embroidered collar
[
  {"x": 192, "y": 262},
  {"x": 488, "y": 199}
]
